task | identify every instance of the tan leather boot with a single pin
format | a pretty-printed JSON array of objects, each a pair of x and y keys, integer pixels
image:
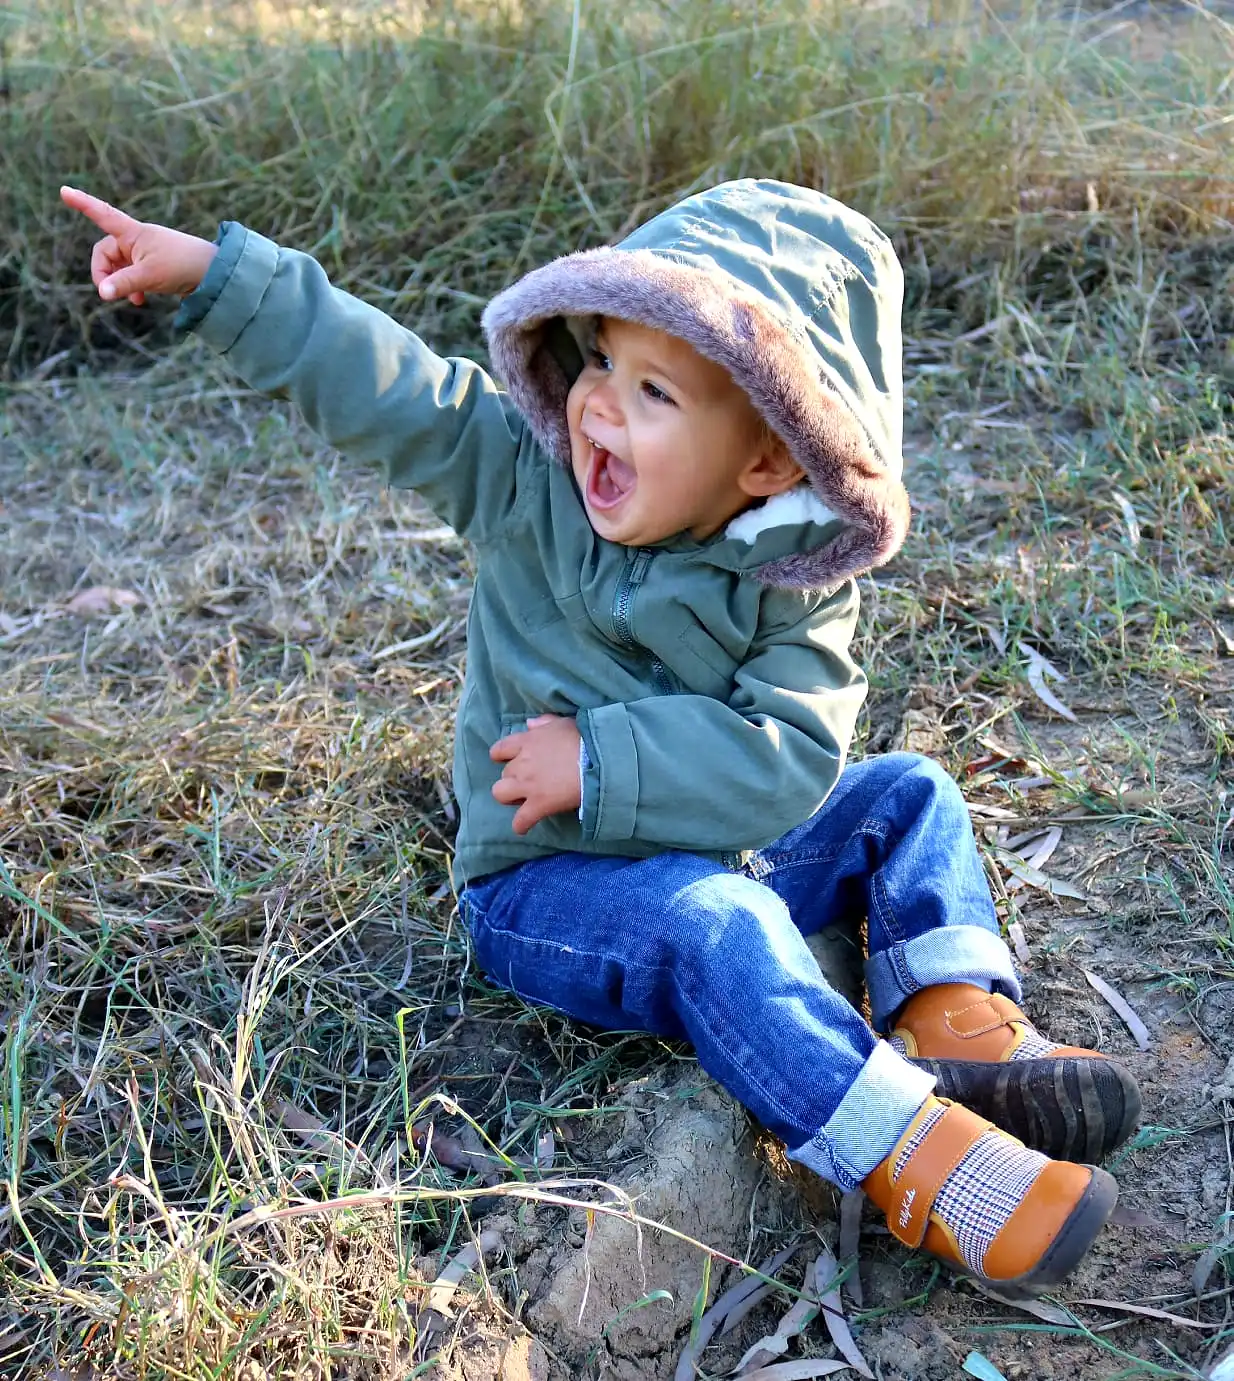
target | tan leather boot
[
  {"x": 1065, "y": 1101},
  {"x": 960, "y": 1188}
]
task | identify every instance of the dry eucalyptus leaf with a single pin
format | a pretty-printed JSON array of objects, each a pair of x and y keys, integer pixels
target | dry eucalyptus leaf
[
  {"x": 1122, "y": 1007},
  {"x": 768, "y": 1348},
  {"x": 1037, "y": 671},
  {"x": 736, "y": 1298},
  {"x": 851, "y": 1205},
  {"x": 1039, "y": 1309},
  {"x": 805, "y": 1369},
  {"x": 1207, "y": 1263},
  {"x": 1041, "y": 852},
  {"x": 1147, "y": 1312},
  {"x": 432, "y": 1318},
  {"x": 827, "y": 1268},
  {"x": 1056, "y": 887}
]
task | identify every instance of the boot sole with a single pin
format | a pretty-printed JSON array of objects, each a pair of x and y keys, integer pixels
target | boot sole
[
  {"x": 1072, "y": 1108},
  {"x": 1069, "y": 1247}
]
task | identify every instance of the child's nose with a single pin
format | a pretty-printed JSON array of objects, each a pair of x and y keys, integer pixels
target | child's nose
[{"x": 603, "y": 401}]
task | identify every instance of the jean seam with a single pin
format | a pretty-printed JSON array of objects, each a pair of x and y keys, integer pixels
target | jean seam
[
  {"x": 793, "y": 858},
  {"x": 824, "y": 1143}
]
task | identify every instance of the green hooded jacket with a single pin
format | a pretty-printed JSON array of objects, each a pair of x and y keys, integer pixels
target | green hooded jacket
[{"x": 711, "y": 681}]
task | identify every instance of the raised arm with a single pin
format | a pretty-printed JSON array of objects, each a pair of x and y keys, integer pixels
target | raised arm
[
  {"x": 366, "y": 384},
  {"x": 691, "y": 772}
]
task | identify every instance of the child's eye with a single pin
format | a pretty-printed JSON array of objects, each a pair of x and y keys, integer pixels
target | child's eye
[
  {"x": 657, "y": 395},
  {"x": 599, "y": 360}
]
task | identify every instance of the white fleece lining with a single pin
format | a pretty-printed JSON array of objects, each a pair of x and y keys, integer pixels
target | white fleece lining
[{"x": 793, "y": 508}]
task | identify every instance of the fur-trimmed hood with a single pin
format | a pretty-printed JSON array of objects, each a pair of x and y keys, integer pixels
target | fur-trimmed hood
[{"x": 796, "y": 295}]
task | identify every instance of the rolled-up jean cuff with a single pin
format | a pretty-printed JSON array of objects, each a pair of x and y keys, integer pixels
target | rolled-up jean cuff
[
  {"x": 949, "y": 954},
  {"x": 872, "y": 1116}
]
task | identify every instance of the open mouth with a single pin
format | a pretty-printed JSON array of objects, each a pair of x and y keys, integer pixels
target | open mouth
[{"x": 609, "y": 478}]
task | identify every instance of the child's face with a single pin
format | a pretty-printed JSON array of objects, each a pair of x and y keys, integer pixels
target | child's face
[{"x": 663, "y": 441}]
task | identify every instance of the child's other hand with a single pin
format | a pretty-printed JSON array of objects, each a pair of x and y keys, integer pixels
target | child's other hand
[
  {"x": 137, "y": 258},
  {"x": 541, "y": 770}
]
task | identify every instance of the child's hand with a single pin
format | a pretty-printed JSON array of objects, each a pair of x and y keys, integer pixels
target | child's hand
[
  {"x": 541, "y": 770},
  {"x": 136, "y": 258}
]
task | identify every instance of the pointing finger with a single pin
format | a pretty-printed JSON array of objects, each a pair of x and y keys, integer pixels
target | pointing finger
[{"x": 102, "y": 213}]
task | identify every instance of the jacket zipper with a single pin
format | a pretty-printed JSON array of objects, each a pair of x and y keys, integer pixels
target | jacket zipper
[
  {"x": 631, "y": 578},
  {"x": 623, "y": 601}
]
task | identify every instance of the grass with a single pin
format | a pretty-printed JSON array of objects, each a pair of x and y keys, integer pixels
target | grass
[{"x": 233, "y": 981}]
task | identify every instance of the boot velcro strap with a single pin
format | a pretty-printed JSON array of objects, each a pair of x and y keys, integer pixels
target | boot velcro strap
[
  {"x": 991, "y": 1012},
  {"x": 912, "y": 1196}
]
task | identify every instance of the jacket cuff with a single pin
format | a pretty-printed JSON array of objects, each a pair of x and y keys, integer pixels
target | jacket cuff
[
  {"x": 610, "y": 778},
  {"x": 228, "y": 297}
]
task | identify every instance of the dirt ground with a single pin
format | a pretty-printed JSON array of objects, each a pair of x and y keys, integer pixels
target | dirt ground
[{"x": 1176, "y": 1177}]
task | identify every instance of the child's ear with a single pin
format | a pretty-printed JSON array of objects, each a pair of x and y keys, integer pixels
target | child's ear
[{"x": 771, "y": 471}]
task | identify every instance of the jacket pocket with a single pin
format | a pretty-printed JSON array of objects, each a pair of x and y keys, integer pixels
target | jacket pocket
[{"x": 553, "y": 609}]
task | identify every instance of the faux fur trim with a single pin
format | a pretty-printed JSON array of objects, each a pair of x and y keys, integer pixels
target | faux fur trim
[
  {"x": 764, "y": 351},
  {"x": 793, "y": 508}
]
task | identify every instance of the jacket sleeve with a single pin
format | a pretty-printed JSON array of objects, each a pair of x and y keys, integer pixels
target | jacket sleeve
[
  {"x": 692, "y": 772},
  {"x": 365, "y": 384}
]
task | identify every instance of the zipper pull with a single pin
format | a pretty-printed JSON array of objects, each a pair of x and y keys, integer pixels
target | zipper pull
[{"x": 641, "y": 563}]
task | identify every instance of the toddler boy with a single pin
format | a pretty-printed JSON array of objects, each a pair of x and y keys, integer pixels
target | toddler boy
[{"x": 699, "y": 451}]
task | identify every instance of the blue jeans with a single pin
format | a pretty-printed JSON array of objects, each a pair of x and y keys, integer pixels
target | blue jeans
[{"x": 680, "y": 946}]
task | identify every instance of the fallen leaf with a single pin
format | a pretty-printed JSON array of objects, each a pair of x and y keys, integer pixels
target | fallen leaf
[
  {"x": 1207, "y": 1263},
  {"x": 1039, "y": 1309},
  {"x": 1122, "y": 1007},
  {"x": 432, "y": 1318},
  {"x": 1056, "y": 887},
  {"x": 102, "y": 599},
  {"x": 451, "y": 1153},
  {"x": 851, "y": 1205},
  {"x": 1124, "y": 1217},
  {"x": 768, "y": 1348},
  {"x": 804, "y": 1370},
  {"x": 982, "y": 811},
  {"x": 1015, "y": 933},
  {"x": 1043, "y": 851},
  {"x": 1037, "y": 856},
  {"x": 995, "y": 762},
  {"x": 746, "y": 1306},
  {"x": 309, "y": 1128},
  {"x": 827, "y": 1268},
  {"x": 735, "y": 1297},
  {"x": 1037, "y": 671},
  {"x": 1148, "y": 1312},
  {"x": 980, "y": 1366}
]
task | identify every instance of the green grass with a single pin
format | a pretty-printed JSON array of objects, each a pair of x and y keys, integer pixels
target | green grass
[{"x": 232, "y": 976}]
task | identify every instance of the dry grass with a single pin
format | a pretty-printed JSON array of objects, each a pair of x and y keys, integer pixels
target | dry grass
[
  {"x": 232, "y": 978},
  {"x": 428, "y": 153}
]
